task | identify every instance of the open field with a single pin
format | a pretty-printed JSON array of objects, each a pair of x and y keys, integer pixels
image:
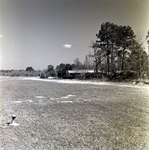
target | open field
[{"x": 60, "y": 115}]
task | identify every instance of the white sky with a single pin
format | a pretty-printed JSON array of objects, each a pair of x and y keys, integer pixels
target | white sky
[{"x": 38, "y": 33}]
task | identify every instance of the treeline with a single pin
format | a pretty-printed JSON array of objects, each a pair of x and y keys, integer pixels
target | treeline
[
  {"x": 28, "y": 72},
  {"x": 119, "y": 54},
  {"x": 62, "y": 69}
]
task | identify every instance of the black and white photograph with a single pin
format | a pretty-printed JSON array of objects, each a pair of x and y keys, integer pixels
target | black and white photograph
[{"x": 74, "y": 74}]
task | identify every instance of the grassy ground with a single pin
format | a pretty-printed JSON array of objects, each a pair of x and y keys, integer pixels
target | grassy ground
[{"x": 114, "y": 121}]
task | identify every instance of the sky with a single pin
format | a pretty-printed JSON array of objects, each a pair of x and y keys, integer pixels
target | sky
[{"x": 39, "y": 33}]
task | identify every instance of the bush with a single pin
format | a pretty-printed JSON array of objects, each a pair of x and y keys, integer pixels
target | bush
[{"x": 43, "y": 75}]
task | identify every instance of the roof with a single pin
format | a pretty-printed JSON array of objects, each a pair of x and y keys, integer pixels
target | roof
[{"x": 81, "y": 71}]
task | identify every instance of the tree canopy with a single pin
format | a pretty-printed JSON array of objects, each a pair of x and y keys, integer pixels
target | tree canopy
[
  {"x": 117, "y": 49},
  {"x": 30, "y": 69}
]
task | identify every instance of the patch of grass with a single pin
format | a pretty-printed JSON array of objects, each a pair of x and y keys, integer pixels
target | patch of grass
[{"x": 111, "y": 119}]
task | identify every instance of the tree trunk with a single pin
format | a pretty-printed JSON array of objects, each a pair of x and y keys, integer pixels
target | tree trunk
[
  {"x": 123, "y": 57},
  {"x": 108, "y": 52},
  {"x": 112, "y": 59},
  {"x": 108, "y": 64}
]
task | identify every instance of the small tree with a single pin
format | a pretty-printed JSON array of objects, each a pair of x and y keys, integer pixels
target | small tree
[
  {"x": 50, "y": 71},
  {"x": 138, "y": 61},
  {"x": 62, "y": 70},
  {"x": 78, "y": 64},
  {"x": 97, "y": 56},
  {"x": 30, "y": 69},
  {"x": 86, "y": 62}
]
